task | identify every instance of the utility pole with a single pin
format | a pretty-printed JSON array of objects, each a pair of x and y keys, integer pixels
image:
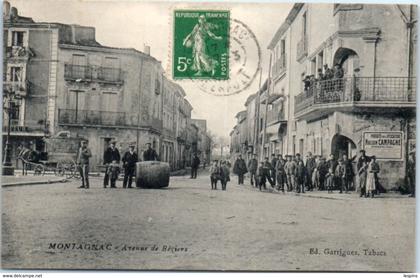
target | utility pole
[
  {"x": 257, "y": 118},
  {"x": 266, "y": 105}
]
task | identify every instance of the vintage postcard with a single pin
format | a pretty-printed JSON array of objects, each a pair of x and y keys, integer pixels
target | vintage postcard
[{"x": 209, "y": 136}]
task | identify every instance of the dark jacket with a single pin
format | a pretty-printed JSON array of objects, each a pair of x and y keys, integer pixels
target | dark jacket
[
  {"x": 310, "y": 165},
  {"x": 332, "y": 164},
  {"x": 361, "y": 160},
  {"x": 111, "y": 155},
  {"x": 83, "y": 156},
  {"x": 253, "y": 165},
  {"x": 273, "y": 163},
  {"x": 239, "y": 167},
  {"x": 129, "y": 160},
  {"x": 150, "y": 155},
  {"x": 195, "y": 162}
]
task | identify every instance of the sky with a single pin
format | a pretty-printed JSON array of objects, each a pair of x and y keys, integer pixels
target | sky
[{"x": 138, "y": 23}]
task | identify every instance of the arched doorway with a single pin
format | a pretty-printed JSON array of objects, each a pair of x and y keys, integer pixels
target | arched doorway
[
  {"x": 348, "y": 59},
  {"x": 342, "y": 145}
]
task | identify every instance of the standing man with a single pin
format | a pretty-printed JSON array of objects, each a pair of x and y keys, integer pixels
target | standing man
[
  {"x": 129, "y": 160},
  {"x": 82, "y": 161},
  {"x": 411, "y": 172},
  {"x": 280, "y": 173},
  {"x": 273, "y": 167},
  {"x": 195, "y": 163},
  {"x": 111, "y": 154},
  {"x": 310, "y": 166},
  {"x": 362, "y": 164},
  {"x": 239, "y": 168},
  {"x": 348, "y": 169},
  {"x": 150, "y": 154},
  {"x": 252, "y": 168},
  {"x": 290, "y": 168}
]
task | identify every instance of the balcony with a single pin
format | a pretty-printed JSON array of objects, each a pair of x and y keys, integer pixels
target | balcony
[
  {"x": 19, "y": 52},
  {"x": 93, "y": 74},
  {"x": 356, "y": 93},
  {"x": 275, "y": 115},
  {"x": 28, "y": 129},
  {"x": 279, "y": 66},
  {"x": 72, "y": 117},
  {"x": 19, "y": 88},
  {"x": 302, "y": 48}
]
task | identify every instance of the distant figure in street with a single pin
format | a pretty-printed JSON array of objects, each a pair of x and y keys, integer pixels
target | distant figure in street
[
  {"x": 239, "y": 168},
  {"x": 129, "y": 160},
  {"x": 252, "y": 168},
  {"x": 110, "y": 155},
  {"x": 411, "y": 173},
  {"x": 280, "y": 173},
  {"x": 349, "y": 174},
  {"x": 113, "y": 172},
  {"x": 290, "y": 169},
  {"x": 262, "y": 175},
  {"x": 204, "y": 163},
  {"x": 150, "y": 154},
  {"x": 215, "y": 174},
  {"x": 340, "y": 176},
  {"x": 82, "y": 161},
  {"x": 300, "y": 176},
  {"x": 267, "y": 167},
  {"x": 310, "y": 166},
  {"x": 362, "y": 164},
  {"x": 225, "y": 174},
  {"x": 195, "y": 163},
  {"x": 273, "y": 167},
  {"x": 322, "y": 172},
  {"x": 372, "y": 177},
  {"x": 329, "y": 180},
  {"x": 25, "y": 155}
]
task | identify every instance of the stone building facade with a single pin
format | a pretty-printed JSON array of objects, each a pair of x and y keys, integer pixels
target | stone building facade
[
  {"x": 74, "y": 86},
  {"x": 371, "y": 107}
]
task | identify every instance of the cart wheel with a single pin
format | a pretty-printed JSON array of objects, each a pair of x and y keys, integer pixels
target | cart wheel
[
  {"x": 39, "y": 170},
  {"x": 59, "y": 170},
  {"x": 74, "y": 171}
]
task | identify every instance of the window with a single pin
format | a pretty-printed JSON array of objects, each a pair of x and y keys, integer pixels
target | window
[
  {"x": 304, "y": 25},
  {"x": 110, "y": 69},
  {"x": 17, "y": 38},
  {"x": 157, "y": 87},
  {"x": 16, "y": 74},
  {"x": 313, "y": 66},
  {"x": 320, "y": 61}
]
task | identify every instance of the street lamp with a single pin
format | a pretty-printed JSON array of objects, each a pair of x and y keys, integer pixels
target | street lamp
[{"x": 10, "y": 98}]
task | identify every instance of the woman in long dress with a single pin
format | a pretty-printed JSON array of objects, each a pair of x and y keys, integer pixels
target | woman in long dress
[
  {"x": 202, "y": 62},
  {"x": 372, "y": 176}
]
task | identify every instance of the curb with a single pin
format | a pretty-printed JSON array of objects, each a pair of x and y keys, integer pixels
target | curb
[{"x": 34, "y": 182}]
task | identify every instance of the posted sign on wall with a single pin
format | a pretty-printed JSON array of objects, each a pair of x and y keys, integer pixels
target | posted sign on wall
[{"x": 384, "y": 145}]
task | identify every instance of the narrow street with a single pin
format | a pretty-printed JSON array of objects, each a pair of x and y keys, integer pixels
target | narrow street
[{"x": 189, "y": 226}]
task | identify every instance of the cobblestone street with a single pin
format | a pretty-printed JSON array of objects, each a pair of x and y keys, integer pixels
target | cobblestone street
[{"x": 189, "y": 226}]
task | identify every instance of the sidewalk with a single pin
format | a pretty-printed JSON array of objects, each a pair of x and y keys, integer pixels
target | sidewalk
[
  {"x": 351, "y": 195},
  {"x": 7, "y": 181}
]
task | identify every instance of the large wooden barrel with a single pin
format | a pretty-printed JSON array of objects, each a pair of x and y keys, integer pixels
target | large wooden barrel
[{"x": 152, "y": 174}]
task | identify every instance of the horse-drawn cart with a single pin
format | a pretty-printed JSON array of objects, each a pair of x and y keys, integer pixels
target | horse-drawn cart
[{"x": 59, "y": 159}]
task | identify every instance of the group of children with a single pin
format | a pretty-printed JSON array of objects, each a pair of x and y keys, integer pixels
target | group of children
[{"x": 219, "y": 171}]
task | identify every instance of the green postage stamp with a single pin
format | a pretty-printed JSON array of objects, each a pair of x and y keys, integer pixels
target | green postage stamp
[{"x": 201, "y": 44}]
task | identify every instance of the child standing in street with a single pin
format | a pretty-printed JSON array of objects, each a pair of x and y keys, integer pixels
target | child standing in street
[
  {"x": 113, "y": 172},
  {"x": 330, "y": 180}
]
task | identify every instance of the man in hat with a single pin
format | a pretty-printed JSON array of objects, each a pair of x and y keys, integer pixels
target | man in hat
[
  {"x": 82, "y": 161},
  {"x": 239, "y": 168},
  {"x": 195, "y": 163},
  {"x": 290, "y": 168},
  {"x": 273, "y": 167},
  {"x": 252, "y": 168},
  {"x": 362, "y": 164},
  {"x": 111, "y": 154},
  {"x": 129, "y": 160},
  {"x": 150, "y": 154},
  {"x": 310, "y": 166}
]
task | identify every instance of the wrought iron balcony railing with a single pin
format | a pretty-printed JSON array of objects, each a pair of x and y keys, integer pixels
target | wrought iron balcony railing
[
  {"x": 92, "y": 73},
  {"x": 279, "y": 66},
  {"x": 275, "y": 115},
  {"x": 357, "y": 90},
  {"x": 104, "y": 118},
  {"x": 16, "y": 87}
]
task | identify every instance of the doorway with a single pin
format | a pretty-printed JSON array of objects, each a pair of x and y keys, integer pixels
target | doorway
[{"x": 342, "y": 145}]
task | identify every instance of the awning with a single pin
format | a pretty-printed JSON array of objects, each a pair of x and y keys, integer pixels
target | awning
[{"x": 274, "y": 129}]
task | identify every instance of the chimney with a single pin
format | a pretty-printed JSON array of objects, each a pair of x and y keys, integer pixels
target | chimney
[
  {"x": 6, "y": 10},
  {"x": 147, "y": 49}
]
